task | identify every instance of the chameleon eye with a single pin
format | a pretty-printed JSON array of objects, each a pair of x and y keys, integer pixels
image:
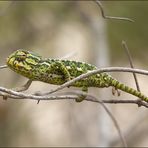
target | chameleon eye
[{"x": 21, "y": 57}]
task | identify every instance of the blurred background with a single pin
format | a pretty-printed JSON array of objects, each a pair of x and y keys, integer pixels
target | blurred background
[{"x": 74, "y": 29}]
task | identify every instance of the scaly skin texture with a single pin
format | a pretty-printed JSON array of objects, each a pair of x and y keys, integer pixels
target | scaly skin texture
[{"x": 55, "y": 71}]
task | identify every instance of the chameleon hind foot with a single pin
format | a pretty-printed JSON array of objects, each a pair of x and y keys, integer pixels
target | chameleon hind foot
[
  {"x": 115, "y": 90},
  {"x": 82, "y": 97}
]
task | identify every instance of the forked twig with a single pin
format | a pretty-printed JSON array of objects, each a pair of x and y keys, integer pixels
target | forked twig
[{"x": 111, "y": 17}]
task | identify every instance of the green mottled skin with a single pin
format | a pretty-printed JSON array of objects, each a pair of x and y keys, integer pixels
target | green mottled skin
[{"x": 57, "y": 72}]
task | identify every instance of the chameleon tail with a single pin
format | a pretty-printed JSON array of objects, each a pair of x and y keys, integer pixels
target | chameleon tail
[{"x": 129, "y": 90}]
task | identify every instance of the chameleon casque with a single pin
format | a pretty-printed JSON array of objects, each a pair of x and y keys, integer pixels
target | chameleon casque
[{"x": 55, "y": 71}]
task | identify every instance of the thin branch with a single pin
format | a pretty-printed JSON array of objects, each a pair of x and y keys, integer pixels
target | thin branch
[
  {"x": 110, "y": 69},
  {"x": 19, "y": 89},
  {"x": 113, "y": 101},
  {"x": 78, "y": 93},
  {"x": 142, "y": 103},
  {"x": 19, "y": 95},
  {"x": 111, "y": 17},
  {"x": 131, "y": 127},
  {"x": 116, "y": 125},
  {"x": 3, "y": 66},
  {"x": 131, "y": 63}
]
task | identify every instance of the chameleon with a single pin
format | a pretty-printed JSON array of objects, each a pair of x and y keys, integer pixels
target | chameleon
[{"x": 57, "y": 72}]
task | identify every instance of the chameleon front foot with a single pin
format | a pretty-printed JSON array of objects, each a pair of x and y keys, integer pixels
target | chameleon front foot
[
  {"x": 114, "y": 91},
  {"x": 82, "y": 97}
]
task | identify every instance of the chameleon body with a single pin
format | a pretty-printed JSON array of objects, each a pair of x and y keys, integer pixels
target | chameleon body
[{"x": 55, "y": 71}]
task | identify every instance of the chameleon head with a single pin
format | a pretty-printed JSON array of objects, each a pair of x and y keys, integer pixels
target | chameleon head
[{"x": 22, "y": 62}]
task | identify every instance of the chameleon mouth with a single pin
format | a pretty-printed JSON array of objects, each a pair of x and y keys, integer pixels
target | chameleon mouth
[{"x": 9, "y": 61}]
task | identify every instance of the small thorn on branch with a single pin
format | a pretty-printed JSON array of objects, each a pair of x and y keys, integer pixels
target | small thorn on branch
[{"x": 38, "y": 101}]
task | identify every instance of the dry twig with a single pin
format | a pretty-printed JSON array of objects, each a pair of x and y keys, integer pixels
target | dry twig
[
  {"x": 3, "y": 66},
  {"x": 131, "y": 63},
  {"x": 108, "y": 112},
  {"x": 111, "y": 17}
]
